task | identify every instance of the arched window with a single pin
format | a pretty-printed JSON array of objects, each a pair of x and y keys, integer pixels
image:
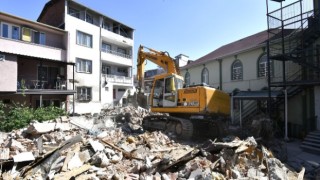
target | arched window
[
  {"x": 205, "y": 76},
  {"x": 187, "y": 79},
  {"x": 237, "y": 70},
  {"x": 263, "y": 66}
]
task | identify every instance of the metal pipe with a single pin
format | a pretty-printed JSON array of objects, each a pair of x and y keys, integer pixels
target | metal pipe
[{"x": 286, "y": 114}]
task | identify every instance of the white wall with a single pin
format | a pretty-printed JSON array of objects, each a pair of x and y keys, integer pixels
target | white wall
[{"x": 77, "y": 51}]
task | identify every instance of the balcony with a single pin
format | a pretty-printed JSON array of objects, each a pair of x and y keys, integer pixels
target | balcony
[
  {"x": 116, "y": 57},
  {"x": 118, "y": 79},
  {"x": 30, "y": 49},
  {"x": 115, "y": 38},
  {"x": 116, "y": 53}
]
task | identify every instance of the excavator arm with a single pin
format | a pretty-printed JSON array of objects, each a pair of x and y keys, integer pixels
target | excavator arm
[{"x": 161, "y": 59}]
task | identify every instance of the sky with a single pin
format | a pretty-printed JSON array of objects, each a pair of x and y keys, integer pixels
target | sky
[{"x": 190, "y": 27}]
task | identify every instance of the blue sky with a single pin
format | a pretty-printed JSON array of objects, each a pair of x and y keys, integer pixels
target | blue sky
[{"x": 190, "y": 27}]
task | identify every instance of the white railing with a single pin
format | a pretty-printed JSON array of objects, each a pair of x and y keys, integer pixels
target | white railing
[{"x": 118, "y": 79}]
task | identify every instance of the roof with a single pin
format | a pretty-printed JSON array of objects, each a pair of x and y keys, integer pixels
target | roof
[
  {"x": 254, "y": 41},
  {"x": 30, "y": 22},
  {"x": 51, "y": 2}
]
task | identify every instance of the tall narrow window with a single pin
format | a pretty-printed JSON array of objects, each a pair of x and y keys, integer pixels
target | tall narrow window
[
  {"x": 84, "y": 66},
  {"x": 15, "y": 32},
  {"x": 26, "y": 34},
  {"x": 237, "y": 70},
  {"x": 263, "y": 66},
  {"x": 5, "y": 30},
  {"x": 187, "y": 79},
  {"x": 205, "y": 76},
  {"x": 89, "y": 18},
  {"x": 84, "y": 39},
  {"x": 42, "y": 38}
]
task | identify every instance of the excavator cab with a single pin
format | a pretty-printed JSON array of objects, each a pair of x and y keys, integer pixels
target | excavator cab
[{"x": 164, "y": 91}]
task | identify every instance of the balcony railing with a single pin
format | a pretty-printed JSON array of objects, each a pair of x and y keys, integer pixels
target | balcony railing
[
  {"x": 116, "y": 53},
  {"x": 118, "y": 79}
]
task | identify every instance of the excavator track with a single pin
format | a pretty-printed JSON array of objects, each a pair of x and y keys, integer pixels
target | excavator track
[
  {"x": 186, "y": 128},
  {"x": 182, "y": 128}
]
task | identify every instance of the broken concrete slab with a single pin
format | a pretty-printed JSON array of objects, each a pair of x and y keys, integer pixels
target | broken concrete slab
[
  {"x": 40, "y": 128},
  {"x": 22, "y": 157},
  {"x": 96, "y": 145}
]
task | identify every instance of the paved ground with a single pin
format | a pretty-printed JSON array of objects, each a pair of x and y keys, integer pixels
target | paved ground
[{"x": 298, "y": 158}]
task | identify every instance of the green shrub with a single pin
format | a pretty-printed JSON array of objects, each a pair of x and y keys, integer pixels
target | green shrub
[
  {"x": 20, "y": 115},
  {"x": 48, "y": 113},
  {"x": 2, "y": 113}
]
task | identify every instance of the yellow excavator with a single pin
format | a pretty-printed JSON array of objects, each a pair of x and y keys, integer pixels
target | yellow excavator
[{"x": 197, "y": 110}]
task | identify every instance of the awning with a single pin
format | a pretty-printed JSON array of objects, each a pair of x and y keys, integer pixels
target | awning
[{"x": 251, "y": 95}]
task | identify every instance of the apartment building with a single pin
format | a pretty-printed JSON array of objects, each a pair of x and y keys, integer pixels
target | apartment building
[
  {"x": 279, "y": 64},
  {"x": 101, "y": 49},
  {"x": 33, "y": 63}
]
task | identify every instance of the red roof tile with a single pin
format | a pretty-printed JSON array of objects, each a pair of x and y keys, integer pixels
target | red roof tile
[{"x": 234, "y": 47}]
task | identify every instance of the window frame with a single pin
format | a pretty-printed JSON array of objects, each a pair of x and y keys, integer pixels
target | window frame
[
  {"x": 205, "y": 77},
  {"x": 74, "y": 12},
  {"x": 12, "y": 32},
  {"x": 260, "y": 73},
  {"x": 84, "y": 93},
  {"x": 237, "y": 72},
  {"x": 107, "y": 47},
  {"x": 82, "y": 39},
  {"x": 87, "y": 67},
  {"x": 89, "y": 18},
  {"x": 9, "y": 31}
]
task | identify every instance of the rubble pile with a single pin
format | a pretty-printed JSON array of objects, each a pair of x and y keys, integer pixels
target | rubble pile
[{"x": 97, "y": 148}]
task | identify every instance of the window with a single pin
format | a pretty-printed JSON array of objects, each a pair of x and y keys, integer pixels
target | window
[
  {"x": 205, "y": 76},
  {"x": 84, "y": 39},
  {"x": 187, "y": 79},
  {"x": 105, "y": 69},
  {"x": 106, "y": 25},
  {"x": 26, "y": 34},
  {"x": 5, "y": 30},
  {"x": 15, "y": 32},
  {"x": 74, "y": 12},
  {"x": 236, "y": 70},
  {"x": 84, "y": 93},
  {"x": 10, "y": 31},
  {"x": 39, "y": 37},
  {"x": 84, "y": 66},
  {"x": 121, "y": 52},
  {"x": 2, "y": 57},
  {"x": 122, "y": 70},
  {"x": 43, "y": 73},
  {"x": 89, "y": 18},
  {"x": 263, "y": 66},
  {"x": 106, "y": 47}
]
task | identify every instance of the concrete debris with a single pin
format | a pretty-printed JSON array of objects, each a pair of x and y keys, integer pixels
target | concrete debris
[{"x": 113, "y": 145}]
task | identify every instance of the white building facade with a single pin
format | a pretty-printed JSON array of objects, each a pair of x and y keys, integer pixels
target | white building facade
[{"x": 101, "y": 49}]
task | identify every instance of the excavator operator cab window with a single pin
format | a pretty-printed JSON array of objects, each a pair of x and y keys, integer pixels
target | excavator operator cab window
[
  {"x": 158, "y": 92},
  {"x": 170, "y": 85}
]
